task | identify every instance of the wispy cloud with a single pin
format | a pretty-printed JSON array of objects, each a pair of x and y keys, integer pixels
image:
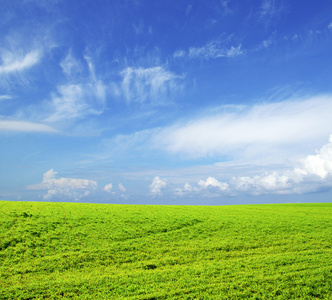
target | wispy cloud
[
  {"x": 68, "y": 103},
  {"x": 12, "y": 62},
  {"x": 225, "y": 7},
  {"x": 212, "y": 50},
  {"x": 5, "y": 97},
  {"x": 154, "y": 85},
  {"x": 71, "y": 66},
  {"x": 23, "y": 126},
  {"x": 76, "y": 100},
  {"x": 269, "y": 42},
  {"x": 270, "y": 8},
  {"x": 122, "y": 188},
  {"x": 71, "y": 188},
  {"x": 249, "y": 131}
]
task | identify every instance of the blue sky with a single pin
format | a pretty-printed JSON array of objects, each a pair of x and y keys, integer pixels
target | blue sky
[{"x": 166, "y": 102}]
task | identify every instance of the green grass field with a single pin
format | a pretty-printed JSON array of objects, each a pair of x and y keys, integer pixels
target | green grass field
[{"x": 102, "y": 251}]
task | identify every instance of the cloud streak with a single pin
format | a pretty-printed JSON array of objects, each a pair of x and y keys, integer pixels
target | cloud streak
[
  {"x": 249, "y": 130},
  {"x": 212, "y": 50},
  {"x": 23, "y": 126},
  {"x": 12, "y": 63},
  {"x": 5, "y": 97}
]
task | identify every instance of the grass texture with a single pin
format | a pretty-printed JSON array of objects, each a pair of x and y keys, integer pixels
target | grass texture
[{"x": 103, "y": 251}]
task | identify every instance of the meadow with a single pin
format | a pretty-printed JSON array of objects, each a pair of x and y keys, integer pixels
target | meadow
[{"x": 104, "y": 251}]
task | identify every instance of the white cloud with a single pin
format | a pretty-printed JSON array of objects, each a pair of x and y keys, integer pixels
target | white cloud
[
  {"x": 157, "y": 185},
  {"x": 108, "y": 188},
  {"x": 185, "y": 190},
  {"x": 64, "y": 187},
  {"x": 329, "y": 26},
  {"x": 78, "y": 98},
  {"x": 314, "y": 172},
  {"x": 214, "y": 49},
  {"x": 311, "y": 174},
  {"x": 212, "y": 182},
  {"x": 268, "y": 42},
  {"x": 122, "y": 188},
  {"x": 71, "y": 66},
  {"x": 188, "y": 187},
  {"x": 261, "y": 184},
  {"x": 179, "y": 53},
  {"x": 5, "y": 97},
  {"x": 270, "y": 9},
  {"x": 153, "y": 85},
  {"x": 283, "y": 129},
  {"x": 11, "y": 62},
  {"x": 68, "y": 103},
  {"x": 22, "y": 126},
  {"x": 74, "y": 101},
  {"x": 225, "y": 7},
  {"x": 234, "y": 51},
  {"x": 319, "y": 164},
  {"x": 267, "y": 8}
]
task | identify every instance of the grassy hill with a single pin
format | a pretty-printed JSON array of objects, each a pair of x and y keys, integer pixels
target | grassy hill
[{"x": 101, "y": 251}]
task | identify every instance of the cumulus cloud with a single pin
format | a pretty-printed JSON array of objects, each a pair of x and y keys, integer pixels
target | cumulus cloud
[
  {"x": 311, "y": 174},
  {"x": 272, "y": 182},
  {"x": 249, "y": 131},
  {"x": 211, "y": 185},
  {"x": 23, "y": 126},
  {"x": 157, "y": 185},
  {"x": 212, "y": 182},
  {"x": 320, "y": 164},
  {"x": 152, "y": 85},
  {"x": 185, "y": 190},
  {"x": 108, "y": 188},
  {"x": 64, "y": 187}
]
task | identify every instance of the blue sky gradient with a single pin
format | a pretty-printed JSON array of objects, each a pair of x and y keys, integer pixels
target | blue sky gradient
[{"x": 166, "y": 102}]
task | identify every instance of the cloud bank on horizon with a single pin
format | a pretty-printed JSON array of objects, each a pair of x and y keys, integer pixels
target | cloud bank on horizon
[{"x": 165, "y": 103}]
